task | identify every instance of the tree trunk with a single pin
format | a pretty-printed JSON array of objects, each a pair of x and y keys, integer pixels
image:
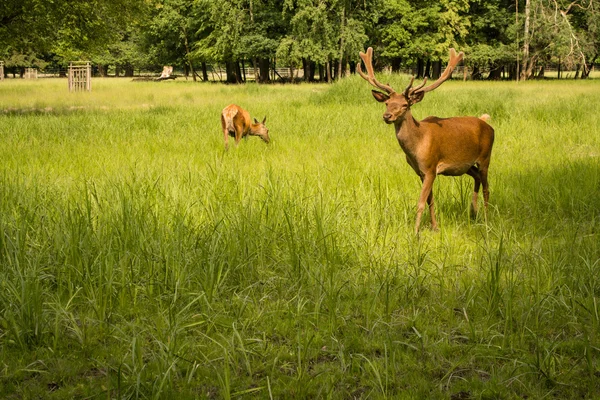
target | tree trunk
[
  {"x": 437, "y": 69},
  {"x": 352, "y": 65},
  {"x": 309, "y": 70},
  {"x": 588, "y": 68},
  {"x": 187, "y": 54},
  {"x": 396, "y": 62},
  {"x": 231, "y": 69},
  {"x": 512, "y": 70},
  {"x": 306, "y": 69},
  {"x": 419, "y": 68},
  {"x": 526, "y": 71},
  {"x": 128, "y": 70},
  {"x": 495, "y": 73},
  {"x": 264, "y": 67},
  {"x": 428, "y": 69},
  {"x": 342, "y": 29},
  {"x": 255, "y": 68},
  {"x": 238, "y": 72},
  {"x": 103, "y": 70},
  {"x": 204, "y": 72},
  {"x": 541, "y": 74}
]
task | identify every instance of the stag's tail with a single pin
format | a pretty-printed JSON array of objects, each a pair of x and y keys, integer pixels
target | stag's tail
[{"x": 485, "y": 117}]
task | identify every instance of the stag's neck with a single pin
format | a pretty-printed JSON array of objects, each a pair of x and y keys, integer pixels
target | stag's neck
[{"x": 409, "y": 133}]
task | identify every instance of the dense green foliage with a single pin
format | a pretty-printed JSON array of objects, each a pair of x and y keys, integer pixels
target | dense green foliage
[
  {"x": 308, "y": 34},
  {"x": 138, "y": 259}
]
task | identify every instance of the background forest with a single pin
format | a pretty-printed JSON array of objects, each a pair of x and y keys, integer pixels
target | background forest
[{"x": 503, "y": 38}]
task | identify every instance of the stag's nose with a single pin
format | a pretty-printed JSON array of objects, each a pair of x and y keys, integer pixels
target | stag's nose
[{"x": 387, "y": 116}]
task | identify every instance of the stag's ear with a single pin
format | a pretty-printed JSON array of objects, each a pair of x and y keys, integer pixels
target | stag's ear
[
  {"x": 416, "y": 97},
  {"x": 255, "y": 121},
  {"x": 264, "y": 120},
  {"x": 380, "y": 97}
]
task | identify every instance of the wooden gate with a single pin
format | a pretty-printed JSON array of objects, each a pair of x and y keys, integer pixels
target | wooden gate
[
  {"x": 31, "y": 73},
  {"x": 80, "y": 76}
]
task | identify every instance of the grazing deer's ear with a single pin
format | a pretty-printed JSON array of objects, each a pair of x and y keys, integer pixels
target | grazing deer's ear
[
  {"x": 255, "y": 121},
  {"x": 416, "y": 97},
  {"x": 380, "y": 97},
  {"x": 264, "y": 120}
]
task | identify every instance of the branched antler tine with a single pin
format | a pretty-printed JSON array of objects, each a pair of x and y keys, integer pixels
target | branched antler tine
[
  {"x": 370, "y": 77},
  {"x": 366, "y": 60},
  {"x": 421, "y": 85},
  {"x": 452, "y": 63},
  {"x": 362, "y": 74},
  {"x": 412, "y": 79}
]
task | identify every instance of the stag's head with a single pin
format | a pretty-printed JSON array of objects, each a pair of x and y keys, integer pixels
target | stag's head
[
  {"x": 397, "y": 104},
  {"x": 259, "y": 129}
]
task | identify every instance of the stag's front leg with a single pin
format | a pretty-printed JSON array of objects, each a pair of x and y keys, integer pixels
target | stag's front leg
[{"x": 426, "y": 197}]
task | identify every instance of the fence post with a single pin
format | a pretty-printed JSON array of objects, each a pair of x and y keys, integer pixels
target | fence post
[{"x": 1, "y": 71}]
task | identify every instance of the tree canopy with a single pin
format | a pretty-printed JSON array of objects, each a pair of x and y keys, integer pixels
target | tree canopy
[{"x": 519, "y": 37}]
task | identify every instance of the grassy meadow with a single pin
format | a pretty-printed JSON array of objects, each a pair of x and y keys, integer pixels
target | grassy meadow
[{"x": 138, "y": 259}]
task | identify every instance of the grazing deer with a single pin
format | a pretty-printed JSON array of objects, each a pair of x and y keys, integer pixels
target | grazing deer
[
  {"x": 236, "y": 122},
  {"x": 435, "y": 146}
]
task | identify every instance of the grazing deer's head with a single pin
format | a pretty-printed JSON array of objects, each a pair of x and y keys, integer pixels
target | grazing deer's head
[
  {"x": 259, "y": 129},
  {"x": 397, "y": 104}
]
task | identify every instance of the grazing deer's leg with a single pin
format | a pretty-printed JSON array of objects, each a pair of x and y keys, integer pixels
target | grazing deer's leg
[
  {"x": 238, "y": 133},
  {"x": 475, "y": 173},
  {"x": 225, "y": 133},
  {"x": 423, "y": 198}
]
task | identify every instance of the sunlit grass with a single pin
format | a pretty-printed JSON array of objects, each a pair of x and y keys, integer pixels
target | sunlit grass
[{"x": 139, "y": 259}]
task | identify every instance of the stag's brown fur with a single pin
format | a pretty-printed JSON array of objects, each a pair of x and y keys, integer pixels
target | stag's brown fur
[
  {"x": 236, "y": 122},
  {"x": 436, "y": 146}
]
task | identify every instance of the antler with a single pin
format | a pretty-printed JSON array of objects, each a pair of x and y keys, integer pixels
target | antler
[
  {"x": 452, "y": 63},
  {"x": 368, "y": 60}
]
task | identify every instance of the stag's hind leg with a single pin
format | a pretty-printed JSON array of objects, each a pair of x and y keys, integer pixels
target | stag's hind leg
[
  {"x": 476, "y": 174},
  {"x": 484, "y": 183}
]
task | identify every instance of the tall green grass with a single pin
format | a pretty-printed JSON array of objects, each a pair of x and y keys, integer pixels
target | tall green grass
[{"x": 139, "y": 259}]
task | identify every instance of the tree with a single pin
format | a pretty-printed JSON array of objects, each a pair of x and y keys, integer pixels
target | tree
[
  {"x": 421, "y": 32},
  {"x": 491, "y": 39},
  {"x": 171, "y": 31},
  {"x": 64, "y": 30}
]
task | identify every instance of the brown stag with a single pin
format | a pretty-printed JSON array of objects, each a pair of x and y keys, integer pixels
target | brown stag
[
  {"x": 236, "y": 122},
  {"x": 435, "y": 146}
]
